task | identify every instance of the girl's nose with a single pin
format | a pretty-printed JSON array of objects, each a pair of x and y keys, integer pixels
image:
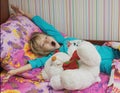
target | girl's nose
[{"x": 47, "y": 41}]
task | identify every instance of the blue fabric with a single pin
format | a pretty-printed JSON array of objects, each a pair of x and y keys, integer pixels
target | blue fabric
[
  {"x": 49, "y": 30},
  {"x": 64, "y": 46},
  {"x": 107, "y": 53},
  {"x": 116, "y": 53},
  {"x": 39, "y": 62}
]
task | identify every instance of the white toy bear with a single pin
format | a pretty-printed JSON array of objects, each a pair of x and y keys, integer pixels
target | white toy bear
[
  {"x": 54, "y": 64},
  {"x": 74, "y": 79}
]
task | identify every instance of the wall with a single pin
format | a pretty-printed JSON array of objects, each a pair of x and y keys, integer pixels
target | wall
[
  {"x": 84, "y": 19},
  {"x": 4, "y": 13}
]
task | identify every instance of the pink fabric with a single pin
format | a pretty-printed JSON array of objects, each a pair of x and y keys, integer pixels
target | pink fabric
[
  {"x": 14, "y": 48},
  {"x": 15, "y": 51},
  {"x": 114, "y": 81},
  {"x": 15, "y": 34},
  {"x": 22, "y": 85}
]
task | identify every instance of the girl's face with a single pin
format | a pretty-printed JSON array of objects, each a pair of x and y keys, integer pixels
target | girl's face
[{"x": 47, "y": 43}]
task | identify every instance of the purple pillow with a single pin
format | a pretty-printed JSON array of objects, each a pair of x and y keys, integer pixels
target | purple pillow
[{"x": 15, "y": 51}]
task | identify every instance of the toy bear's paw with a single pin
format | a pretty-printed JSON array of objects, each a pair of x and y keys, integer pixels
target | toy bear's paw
[
  {"x": 88, "y": 54},
  {"x": 98, "y": 79},
  {"x": 55, "y": 82},
  {"x": 44, "y": 75}
]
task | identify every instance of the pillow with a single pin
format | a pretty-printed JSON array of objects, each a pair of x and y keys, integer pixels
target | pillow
[
  {"x": 115, "y": 45},
  {"x": 114, "y": 81},
  {"x": 15, "y": 51}
]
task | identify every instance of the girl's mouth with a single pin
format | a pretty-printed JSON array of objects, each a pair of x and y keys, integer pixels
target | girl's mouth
[{"x": 53, "y": 43}]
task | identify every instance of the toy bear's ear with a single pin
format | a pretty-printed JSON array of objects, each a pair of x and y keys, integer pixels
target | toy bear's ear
[{"x": 54, "y": 58}]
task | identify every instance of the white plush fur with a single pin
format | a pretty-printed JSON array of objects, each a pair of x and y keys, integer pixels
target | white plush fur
[
  {"x": 77, "y": 79},
  {"x": 53, "y": 68}
]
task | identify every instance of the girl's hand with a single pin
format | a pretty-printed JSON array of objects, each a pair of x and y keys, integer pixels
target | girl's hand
[
  {"x": 6, "y": 78},
  {"x": 8, "y": 75},
  {"x": 17, "y": 10},
  {"x": 21, "y": 12}
]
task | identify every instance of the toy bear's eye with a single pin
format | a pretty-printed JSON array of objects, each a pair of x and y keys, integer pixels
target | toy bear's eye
[{"x": 74, "y": 43}]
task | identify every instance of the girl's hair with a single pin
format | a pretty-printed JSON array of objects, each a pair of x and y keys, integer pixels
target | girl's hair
[{"x": 35, "y": 44}]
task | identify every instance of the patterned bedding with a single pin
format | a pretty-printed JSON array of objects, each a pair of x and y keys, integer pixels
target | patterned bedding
[
  {"x": 108, "y": 84},
  {"x": 20, "y": 85},
  {"x": 15, "y": 51}
]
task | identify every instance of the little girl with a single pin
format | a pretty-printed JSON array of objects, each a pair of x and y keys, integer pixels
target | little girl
[{"x": 47, "y": 43}]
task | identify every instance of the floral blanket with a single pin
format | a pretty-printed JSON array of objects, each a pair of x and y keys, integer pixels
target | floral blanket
[
  {"x": 114, "y": 81},
  {"x": 20, "y": 85},
  {"x": 15, "y": 51}
]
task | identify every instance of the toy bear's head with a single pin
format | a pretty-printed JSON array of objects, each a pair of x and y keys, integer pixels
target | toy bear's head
[
  {"x": 54, "y": 64},
  {"x": 58, "y": 59}
]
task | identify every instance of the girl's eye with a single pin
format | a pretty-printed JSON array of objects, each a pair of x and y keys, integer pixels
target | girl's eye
[{"x": 43, "y": 45}]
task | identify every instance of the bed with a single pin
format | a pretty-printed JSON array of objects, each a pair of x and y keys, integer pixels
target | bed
[{"x": 15, "y": 31}]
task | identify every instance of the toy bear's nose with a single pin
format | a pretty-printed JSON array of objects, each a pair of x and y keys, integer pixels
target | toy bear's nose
[{"x": 53, "y": 58}]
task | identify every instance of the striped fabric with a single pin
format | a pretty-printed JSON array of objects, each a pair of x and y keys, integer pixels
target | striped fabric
[{"x": 84, "y": 19}]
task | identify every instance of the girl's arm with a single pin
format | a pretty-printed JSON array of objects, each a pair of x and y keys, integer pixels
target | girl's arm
[
  {"x": 16, "y": 71},
  {"x": 48, "y": 29},
  {"x": 42, "y": 24},
  {"x": 20, "y": 12},
  {"x": 20, "y": 70}
]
